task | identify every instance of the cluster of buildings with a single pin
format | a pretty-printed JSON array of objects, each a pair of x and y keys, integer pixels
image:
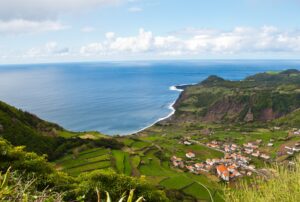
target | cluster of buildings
[
  {"x": 251, "y": 148},
  {"x": 235, "y": 162},
  {"x": 232, "y": 165}
]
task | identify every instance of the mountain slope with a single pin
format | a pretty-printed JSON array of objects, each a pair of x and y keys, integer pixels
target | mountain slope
[
  {"x": 22, "y": 128},
  {"x": 42, "y": 137},
  {"x": 262, "y": 97}
]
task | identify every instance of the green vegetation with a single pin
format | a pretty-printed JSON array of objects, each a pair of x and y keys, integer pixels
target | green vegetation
[
  {"x": 86, "y": 165},
  {"x": 261, "y": 97},
  {"x": 44, "y": 180},
  {"x": 283, "y": 185},
  {"x": 14, "y": 188},
  {"x": 41, "y": 137}
]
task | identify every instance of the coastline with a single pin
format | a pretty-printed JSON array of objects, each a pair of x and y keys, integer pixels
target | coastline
[{"x": 179, "y": 88}]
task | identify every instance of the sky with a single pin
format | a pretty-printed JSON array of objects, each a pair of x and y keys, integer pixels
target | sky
[{"x": 42, "y": 31}]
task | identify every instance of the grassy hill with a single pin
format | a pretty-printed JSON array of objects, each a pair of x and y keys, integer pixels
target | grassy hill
[
  {"x": 42, "y": 137},
  {"x": 23, "y": 128},
  {"x": 262, "y": 97}
]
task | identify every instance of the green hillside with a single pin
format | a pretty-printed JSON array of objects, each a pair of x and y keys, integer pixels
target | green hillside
[
  {"x": 262, "y": 97},
  {"x": 42, "y": 137}
]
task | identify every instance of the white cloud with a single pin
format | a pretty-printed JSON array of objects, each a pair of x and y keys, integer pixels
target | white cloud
[
  {"x": 30, "y": 16},
  {"x": 140, "y": 43},
  {"x": 239, "y": 40},
  {"x": 87, "y": 29},
  {"x": 135, "y": 9},
  {"x": 265, "y": 42},
  {"x": 47, "y": 9},
  {"x": 19, "y": 26},
  {"x": 48, "y": 50},
  {"x": 92, "y": 49},
  {"x": 110, "y": 35}
]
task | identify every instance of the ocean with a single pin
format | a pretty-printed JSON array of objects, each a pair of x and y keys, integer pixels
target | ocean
[{"x": 114, "y": 97}]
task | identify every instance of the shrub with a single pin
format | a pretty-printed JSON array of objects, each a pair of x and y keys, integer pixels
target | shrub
[{"x": 116, "y": 185}]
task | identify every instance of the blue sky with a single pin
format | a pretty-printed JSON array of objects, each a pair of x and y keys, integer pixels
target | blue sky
[{"x": 94, "y": 30}]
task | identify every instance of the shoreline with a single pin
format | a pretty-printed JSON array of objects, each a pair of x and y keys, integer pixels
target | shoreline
[{"x": 179, "y": 88}]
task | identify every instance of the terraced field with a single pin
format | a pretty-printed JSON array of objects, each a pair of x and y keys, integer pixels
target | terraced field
[
  {"x": 88, "y": 160},
  {"x": 143, "y": 158}
]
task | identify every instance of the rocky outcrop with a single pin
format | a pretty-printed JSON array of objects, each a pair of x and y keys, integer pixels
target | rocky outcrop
[
  {"x": 249, "y": 116},
  {"x": 268, "y": 114},
  {"x": 226, "y": 109}
]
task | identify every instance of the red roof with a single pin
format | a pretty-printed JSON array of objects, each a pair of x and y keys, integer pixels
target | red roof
[{"x": 222, "y": 168}]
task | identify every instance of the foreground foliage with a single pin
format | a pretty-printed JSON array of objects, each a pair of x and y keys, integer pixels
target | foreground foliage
[
  {"x": 284, "y": 186},
  {"x": 14, "y": 188},
  {"x": 35, "y": 179}
]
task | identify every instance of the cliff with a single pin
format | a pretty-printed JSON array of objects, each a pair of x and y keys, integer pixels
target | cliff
[{"x": 259, "y": 98}]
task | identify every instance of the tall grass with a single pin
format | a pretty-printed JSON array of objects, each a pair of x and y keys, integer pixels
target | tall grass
[
  {"x": 15, "y": 188},
  {"x": 283, "y": 186}
]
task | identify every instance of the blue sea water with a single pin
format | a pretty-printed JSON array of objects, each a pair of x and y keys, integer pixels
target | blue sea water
[{"x": 114, "y": 97}]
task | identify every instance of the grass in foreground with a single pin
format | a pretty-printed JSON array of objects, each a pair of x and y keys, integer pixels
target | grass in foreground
[{"x": 284, "y": 186}]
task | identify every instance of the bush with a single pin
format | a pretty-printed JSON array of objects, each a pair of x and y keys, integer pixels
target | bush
[{"x": 116, "y": 185}]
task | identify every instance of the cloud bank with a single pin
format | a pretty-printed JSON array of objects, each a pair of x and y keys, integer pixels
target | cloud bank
[
  {"x": 267, "y": 42},
  {"x": 39, "y": 10},
  {"x": 266, "y": 39},
  {"x": 31, "y": 16},
  {"x": 20, "y": 26}
]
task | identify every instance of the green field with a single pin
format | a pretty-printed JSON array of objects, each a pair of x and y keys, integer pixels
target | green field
[
  {"x": 177, "y": 182},
  {"x": 142, "y": 158},
  {"x": 88, "y": 160}
]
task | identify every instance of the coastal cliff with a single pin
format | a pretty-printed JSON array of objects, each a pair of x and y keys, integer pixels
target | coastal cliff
[{"x": 259, "y": 98}]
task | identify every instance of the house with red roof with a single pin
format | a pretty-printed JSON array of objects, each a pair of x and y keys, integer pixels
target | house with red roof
[{"x": 223, "y": 172}]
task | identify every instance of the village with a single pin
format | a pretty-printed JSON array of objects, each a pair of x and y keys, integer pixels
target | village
[{"x": 236, "y": 160}]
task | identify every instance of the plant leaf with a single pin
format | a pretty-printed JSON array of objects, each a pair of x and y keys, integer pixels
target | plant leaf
[
  {"x": 98, "y": 194},
  {"x": 140, "y": 199},
  {"x": 5, "y": 179},
  {"x": 108, "y": 199},
  {"x": 122, "y": 199},
  {"x": 130, "y": 197}
]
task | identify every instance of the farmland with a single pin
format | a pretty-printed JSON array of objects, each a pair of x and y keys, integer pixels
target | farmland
[{"x": 142, "y": 158}]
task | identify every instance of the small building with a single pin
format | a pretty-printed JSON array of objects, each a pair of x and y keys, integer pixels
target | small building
[
  {"x": 296, "y": 149},
  {"x": 190, "y": 155},
  {"x": 209, "y": 162},
  {"x": 256, "y": 154},
  {"x": 190, "y": 168},
  {"x": 199, "y": 166},
  {"x": 264, "y": 156},
  {"x": 248, "y": 150},
  {"x": 297, "y": 132},
  {"x": 252, "y": 167},
  {"x": 187, "y": 143},
  {"x": 287, "y": 147},
  {"x": 223, "y": 172}
]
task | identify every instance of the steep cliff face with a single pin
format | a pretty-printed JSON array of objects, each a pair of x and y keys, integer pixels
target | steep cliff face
[{"x": 262, "y": 97}]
